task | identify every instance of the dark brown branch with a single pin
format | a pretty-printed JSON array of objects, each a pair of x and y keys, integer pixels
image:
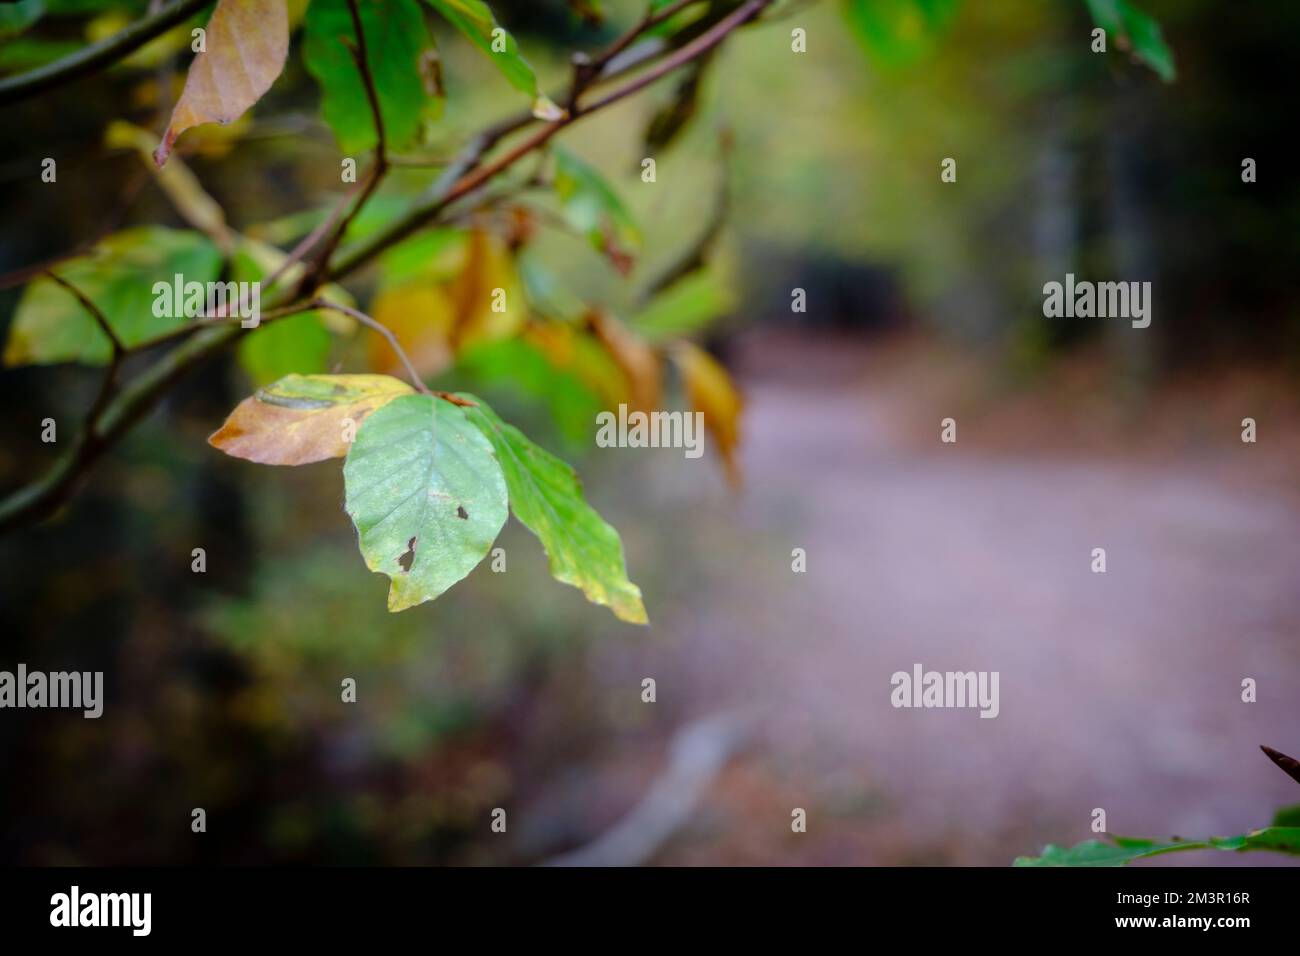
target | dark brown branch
[
  {"x": 115, "y": 358},
  {"x": 316, "y": 272},
  {"x": 587, "y": 69},
  {"x": 476, "y": 176},
  {"x": 464, "y": 176}
]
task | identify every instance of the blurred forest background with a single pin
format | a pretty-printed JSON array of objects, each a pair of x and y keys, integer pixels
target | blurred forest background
[{"x": 924, "y": 301}]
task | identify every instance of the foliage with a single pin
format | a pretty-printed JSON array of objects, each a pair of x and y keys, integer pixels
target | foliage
[
  {"x": 1282, "y": 837},
  {"x": 1122, "y": 850},
  {"x": 429, "y": 475}
]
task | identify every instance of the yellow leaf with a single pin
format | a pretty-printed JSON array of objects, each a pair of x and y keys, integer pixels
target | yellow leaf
[
  {"x": 486, "y": 294},
  {"x": 583, "y": 356},
  {"x": 245, "y": 46},
  {"x": 304, "y": 418},
  {"x": 177, "y": 181},
  {"x": 638, "y": 361},
  {"x": 420, "y": 315},
  {"x": 709, "y": 389}
]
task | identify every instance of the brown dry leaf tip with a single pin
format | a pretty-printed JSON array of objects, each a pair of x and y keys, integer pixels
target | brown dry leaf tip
[
  {"x": 1290, "y": 766},
  {"x": 245, "y": 45}
]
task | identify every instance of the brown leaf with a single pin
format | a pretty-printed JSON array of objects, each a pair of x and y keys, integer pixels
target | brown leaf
[
  {"x": 638, "y": 361},
  {"x": 245, "y": 48},
  {"x": 709, "y": 389},
  {"x": 487, "y": 278},
  {"x": 304, "y": 418}
]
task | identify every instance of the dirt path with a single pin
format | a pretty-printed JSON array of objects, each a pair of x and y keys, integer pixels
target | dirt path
[{"x": 1119, "y": 690}]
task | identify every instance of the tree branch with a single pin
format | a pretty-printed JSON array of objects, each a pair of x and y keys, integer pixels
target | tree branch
[
  {"x": 114, "y": 362},
  {"x": 464, "y": 176},
  {"x": 316, "y": 271},
  {"x": 476, "y": 176},
  {"x": 97, "y": 55},
  {"x": 383, "y": 330}
]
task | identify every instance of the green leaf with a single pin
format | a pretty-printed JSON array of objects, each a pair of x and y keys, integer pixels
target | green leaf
[
  {"x": 475, "y": 20},
  {"x": 398, "y": 51},
  {"x": 1287, "y": 816},
  {"x": 593, "y": 207},
  {"x": 546, "y": 497},
  {"x": 1122, "y": 850},
  {"x": 426, "y": 494},
  {"x": 686, "y": 306},
  {"x": 118, "y": 276},
  {"x": 300, "y": 343},
  {"x": 574, "y": 394},
  {"x": 897, "y": 33},
  {"x": 1127, "y": 26},
  {"x": 17, "y": 17}
]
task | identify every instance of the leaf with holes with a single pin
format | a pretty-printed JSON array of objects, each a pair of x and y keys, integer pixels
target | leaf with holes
[
  {"x": 244, "y": 49},
  {"x": 546, "y": 496},
  {"x": 427, "y": 496},
  {"x": 304, "y": 418}
]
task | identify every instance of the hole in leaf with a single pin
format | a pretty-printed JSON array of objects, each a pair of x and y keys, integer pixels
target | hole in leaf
[
  {"x": 407, "y": 558},
  {"x": 461, "y": 513}
]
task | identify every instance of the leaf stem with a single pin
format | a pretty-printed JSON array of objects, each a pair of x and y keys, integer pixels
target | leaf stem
[
  {"x": 465, "y": 175},
  {"x": 383, "y": 330}
]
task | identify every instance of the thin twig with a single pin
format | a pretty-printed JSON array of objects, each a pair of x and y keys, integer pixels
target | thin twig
[
  {"x": 214, "y": 321},
  {"x": 306, "y": 243},
  {"x": 383, "y": 330},
  {"x": 115, "y": 358},
  {"x": 464, "y": 176},
  {"x": 476, "y": 176},
  {"x": 97, "y": 55},
  {"x": 316, "y": 272},
  {"x": 587, "y": 69}
]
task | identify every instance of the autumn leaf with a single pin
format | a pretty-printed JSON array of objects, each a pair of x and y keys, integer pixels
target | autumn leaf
[
  {"x": 244, "y": 50},
  {"x": 304, "y": 418},
  {"x": 546, "y": 496},
  {"x": 420, "y": 316},
  {"x": 486, "y": 294},
  {"x": 176, "y": 180},
  {"x": 638, "y": 361},
  {"x": 435, "y": 320},
  {"x": 709, "y": 389}
]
